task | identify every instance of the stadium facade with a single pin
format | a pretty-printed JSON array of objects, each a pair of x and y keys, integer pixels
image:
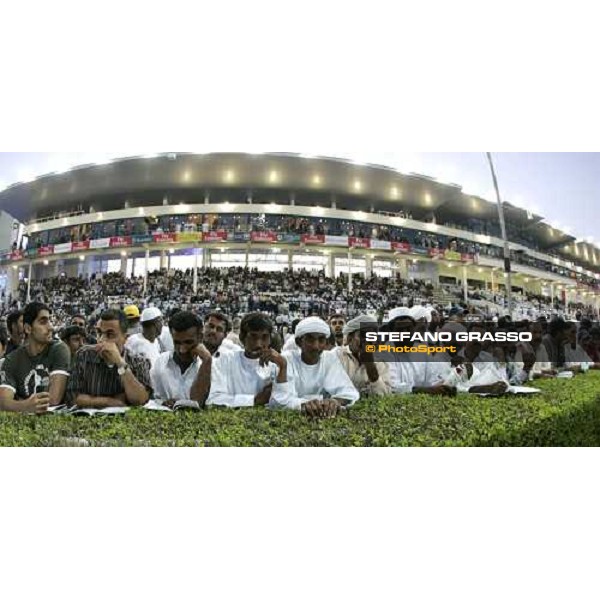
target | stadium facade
[{"x": 276, "y": 212}]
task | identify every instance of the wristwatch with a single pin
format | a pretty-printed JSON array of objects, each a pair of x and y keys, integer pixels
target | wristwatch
[{"x": 122, "y": 370}]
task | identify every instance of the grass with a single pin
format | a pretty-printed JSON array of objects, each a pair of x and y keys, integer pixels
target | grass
[{"x": 567, "y": 413}]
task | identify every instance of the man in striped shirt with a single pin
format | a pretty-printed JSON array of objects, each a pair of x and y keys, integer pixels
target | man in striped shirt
[{"x": 106, "y": 375}]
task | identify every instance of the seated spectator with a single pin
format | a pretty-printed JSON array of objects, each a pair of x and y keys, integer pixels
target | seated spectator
[
  {"x": 592, "y": 344},
  {"x": 107, "y": 375},
  {"x": 370, "y": 378},
  {"x": 74, "y": 338},
  {"x": 575, "y": 356},
  {"x": 134, "y": 326},
  {"x": 415, "y": 373},
  {"x": 34, "y": 376},
  {"x": 337, "y": 324},
  {"x": 3, "y": 344},
  {"x": 554, "y": 342},
  {"x": 319, "y": 385},
  {"x": 147, "y": 343},
  {"x": 216, "y": 329},
  {"x": 16, "y": 332},
  {"x": 255, "y": 377},
  {"x": 184, "y": 373}
]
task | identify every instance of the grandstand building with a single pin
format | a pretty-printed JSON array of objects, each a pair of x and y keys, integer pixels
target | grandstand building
[{"x": 281, "y": 211}]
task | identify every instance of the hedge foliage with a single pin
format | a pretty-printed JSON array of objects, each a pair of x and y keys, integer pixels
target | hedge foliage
[{"x": 567, "y": 413}]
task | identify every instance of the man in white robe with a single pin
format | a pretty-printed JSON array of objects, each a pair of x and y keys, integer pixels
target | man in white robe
[
  {"x": 255, "y": 377},
  {"x": 319, "y": 385}
]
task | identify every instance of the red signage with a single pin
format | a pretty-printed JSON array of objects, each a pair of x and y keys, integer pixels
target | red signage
[
  {"x": 164, "y": 238},
  {"x": 214, "y": 236},
  {"x": 120, "y": 242},
  {"x": 436, "y": 253},
  {"x": 313, "y": 239},
  {"x": 78, "y": 246},
  {"x": 263, "y": 237},
  {"x": 17, "y": 255},
  {"x": 359, "y": 242},
  {"x": 402, "y": 247},
  {"x": 468, "y": 258},
  {"x": 46, "y": 251}
]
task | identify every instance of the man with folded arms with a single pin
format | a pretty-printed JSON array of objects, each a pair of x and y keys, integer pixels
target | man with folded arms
[
  {"x": 319, "y": 385},
  {"x": 34, "y": 377},
  {"x": 107, "y": 375},
  {"x": 370, "y": 378}
]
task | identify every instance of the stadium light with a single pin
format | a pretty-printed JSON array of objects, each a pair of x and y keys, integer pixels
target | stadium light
[{"x": 507, "y": 265}]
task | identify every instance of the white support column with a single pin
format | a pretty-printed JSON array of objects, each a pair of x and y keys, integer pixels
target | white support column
[
  {"x": 146, "y": 268},
  {"x": 350, "y": 281},
  {"x": 247, "y": 257},
  {"x": 195, "y": 283},
  {"x": 124, "y": 265},
  {"x": 369, "y": 266},
  {"x": 291, "y": 261},
  {"x": 493, "y": 281},
  {"x": 29, "y": 275},
  {"x": 331, "y": 265},
  {"x": 12, "y": 283},
  {"x": 163, "y": 260}
]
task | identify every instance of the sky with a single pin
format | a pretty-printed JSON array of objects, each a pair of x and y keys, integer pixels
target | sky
[{"x": 562, "y": 187}]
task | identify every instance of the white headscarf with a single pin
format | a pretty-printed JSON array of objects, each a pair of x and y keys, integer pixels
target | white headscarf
[{"x": 312, "y": 325}]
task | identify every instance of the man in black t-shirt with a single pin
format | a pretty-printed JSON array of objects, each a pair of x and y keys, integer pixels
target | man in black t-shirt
[{"x": 34, "y": 377}]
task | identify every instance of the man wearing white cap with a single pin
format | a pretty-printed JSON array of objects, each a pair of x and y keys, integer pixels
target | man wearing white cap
[
  {"x": 146, "y": 343},
  {"x": 370, "y": 378},
  {"x": 319, "y": 385}
]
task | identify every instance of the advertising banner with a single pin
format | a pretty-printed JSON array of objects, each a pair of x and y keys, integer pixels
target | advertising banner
[
  {"x": 336, "y": 240},
  {"x": 436, "y": 253},
  {"x": 120, "y": 242},
  {"x": 17, "y": 255},
  {"x": 289, "y": 238},
  {"x": 380, "y": 245},
  {"x": 313, "y": 239},
  {"x": 402, "y": 247},
  {"x": 241, "y": 238},
  {"x": 80, "y": 246},
  {"x": 451, "y": 255},
  {"x": 138, "y": 240},
  {"x": 214, "y": 236},
  {"x": 46, "y": 251},
  {"x": 263, "y": 237},
  {"x": 164, "y": 238},
  {"x": 188, "y": 237},
  {"x": 63, "y": 248},
  {"x": 98, "y": 244},
  {"x": 359, "y": 242}
]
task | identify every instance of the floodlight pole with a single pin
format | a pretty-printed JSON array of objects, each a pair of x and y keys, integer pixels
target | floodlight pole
[{"x": 507, "y": 263}]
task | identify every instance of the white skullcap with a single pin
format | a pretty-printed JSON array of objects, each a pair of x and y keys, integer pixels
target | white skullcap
[
  {"x": 399, "y": 313},
  {"x": 312, "y": 325},
  {"x": 360, "y": 321},
  {"x": 151, "y": 314}
]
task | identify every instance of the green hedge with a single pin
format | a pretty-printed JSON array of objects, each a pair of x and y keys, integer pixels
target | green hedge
[{"x": 566, "y": 414}]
